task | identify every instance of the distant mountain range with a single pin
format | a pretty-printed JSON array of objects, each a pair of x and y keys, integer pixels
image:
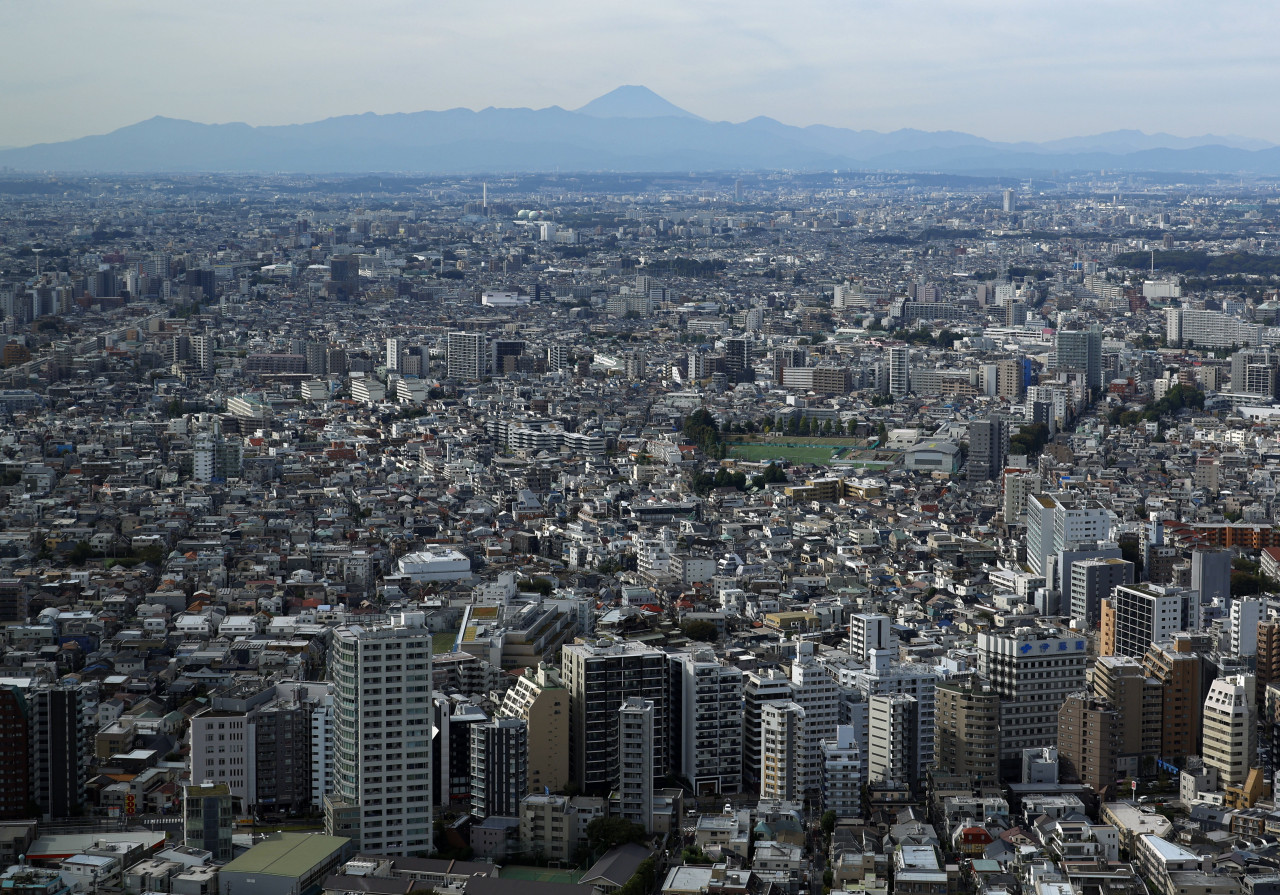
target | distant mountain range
[{"x": 628, "y": 129}]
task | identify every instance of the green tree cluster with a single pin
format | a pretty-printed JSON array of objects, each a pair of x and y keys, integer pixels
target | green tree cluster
[
  {"x": 642, "y": 882},
  {"x": 704, "y": 482},
  {"x": 1200, "y": 262},
  {"x": 702, "y": 631},
  {"x": 605, "y": 833},
  {"x": 772, "y": 475},
  {"x": 1175, "y": 400},
  {"x": 701, "y": 429},
  {"x": 1029, "y": 440}
]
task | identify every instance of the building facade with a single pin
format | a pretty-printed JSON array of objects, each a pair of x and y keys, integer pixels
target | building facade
[{"x": 382, "y": 736}]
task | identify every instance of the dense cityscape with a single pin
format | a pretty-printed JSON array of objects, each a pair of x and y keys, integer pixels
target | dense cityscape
[{"x": 570, "y": 534}]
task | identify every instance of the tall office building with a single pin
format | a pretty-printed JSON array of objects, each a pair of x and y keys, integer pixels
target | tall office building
[
  {"x": 208, "y": 815},
  {"x": 784, "y": 358},
  {"x": 1123, "y": 682},
  {"x": 988, "y": 447},
  {"x": 1138, "y": 615},
  {"x": 884, "y": 677},
  {"x": 892, "y": 754},
  {"x": 504, "y": 355},
  {"x": 1093, "y": 580},
  {"x": 760, "y": 688},
  {"x": 382, "y": 736},
  {"x": 782, "y": 751},
  {"x": 316, "y": 354},
  {"x": 1009, "y": 201},
  {"x": 844, "y": 771},
  {"x": 499, "y": 767},
  {"x": 15, "y": 754},
  {"x": 344, "y": 276},
  {"x": 637, "y": 739},
  {"x": 540, "y": 700},
  {"x": 465, "y": 356},
  {"x": 899, "y": 371},
  {"x": 967, "y": 731},
  {"x": 452, "y": 717},
  {"x": 600, "y": 675},
  {"x": 1081, "y": 351},
  {"x": 1032, "y": 670},
  {"x": 63, "y": 724},
  {"x": 737, "y": 359},
  {"x": 1243, "y": 622},
  {"x": 1211, "y": 574},
  {"x": 394, "y": 347},
  {"x": 1178, "y": 669},
  {"x": 1231, "y": 728},
  {"x": 1011, "y": 379},
  {"x": 1089, "y": 742},
  {"x": 706, "y": 722}
]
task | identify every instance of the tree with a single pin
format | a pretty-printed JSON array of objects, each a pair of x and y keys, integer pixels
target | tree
[
  {"x": 772, "y": 475},
  {"x": 700, "y": 428},
  {"x": 701, "y": 630},
  {"x": 642, "y": 881},
  {"x": 828, "y": 822},
  {"x": 604, "y": 833},
  {"x": 1030, "y": 440}
]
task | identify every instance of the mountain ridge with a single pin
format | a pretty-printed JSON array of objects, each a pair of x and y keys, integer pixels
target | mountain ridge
[{"x": 630, "y": 128}]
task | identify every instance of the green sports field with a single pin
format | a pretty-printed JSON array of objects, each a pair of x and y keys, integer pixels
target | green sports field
[{"x": 796, "y": 452}]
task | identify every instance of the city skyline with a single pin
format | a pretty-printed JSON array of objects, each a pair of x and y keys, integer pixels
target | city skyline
[{"x": 999, "y": 70}]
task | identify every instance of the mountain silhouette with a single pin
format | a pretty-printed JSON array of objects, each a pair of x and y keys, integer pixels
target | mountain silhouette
[
  {"x": 628, "y": 129},
  {"x": 631, "y": 101}
]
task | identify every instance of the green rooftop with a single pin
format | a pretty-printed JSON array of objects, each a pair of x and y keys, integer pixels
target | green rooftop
[{"x": 290, "y": 854}]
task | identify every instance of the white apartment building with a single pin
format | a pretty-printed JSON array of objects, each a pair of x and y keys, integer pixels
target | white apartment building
[
  {"x": 1208, "y": 329},
  {"x": 636, "y": 720},
  {"x": 1032, "y": 670},
  {"x": 760, "y": 689},
  {"x": 1245, "y": 615},
  {"x": 814, "y": 690},
  {"x": 868, "y": 632},
  {"x": 1230, "y": 728},
  {"x": 381, "y": 678},
  {"x": 884, "y": 677},
  {"x": 1062, "y": 520},
  {"x": 891, "y": 750},
  {"x": 844, "y": 770},
  {"x": 782, "y": 751},
  {"x": 368, "y": 390}
]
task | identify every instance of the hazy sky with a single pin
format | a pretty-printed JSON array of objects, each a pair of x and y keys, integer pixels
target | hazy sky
[{"x": 1003, "y": 69}]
